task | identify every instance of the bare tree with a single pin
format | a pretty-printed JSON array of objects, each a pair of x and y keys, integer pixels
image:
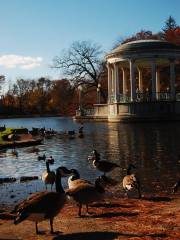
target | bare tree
[{"x": 82, "y": 64}]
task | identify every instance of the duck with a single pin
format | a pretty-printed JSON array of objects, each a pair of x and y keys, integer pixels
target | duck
[
  {"x": 102, "y": 165},
  {"x": 48, "y": 177},
  {"x": 85, "y": 193},
  {"x": 42, "y": 206},
  {"x": 43, "y": 157},
  {"x": 176, "y": 186},
  {"x": 130, "y": 181},
  {"x": 74, "y": 180}
]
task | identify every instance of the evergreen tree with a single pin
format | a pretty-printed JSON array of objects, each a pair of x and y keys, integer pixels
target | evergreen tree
[{"x": 170, "y": 24}]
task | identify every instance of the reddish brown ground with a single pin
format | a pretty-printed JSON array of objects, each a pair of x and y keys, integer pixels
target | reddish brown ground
[{"x": 150, "y": 218}]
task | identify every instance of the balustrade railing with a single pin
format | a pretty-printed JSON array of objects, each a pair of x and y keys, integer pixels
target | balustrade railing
[
  {"x": 143, "y": 97},
  {"x": 140, "y": 97}
]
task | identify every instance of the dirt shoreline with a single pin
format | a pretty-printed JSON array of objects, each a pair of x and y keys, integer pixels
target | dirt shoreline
[{"x": 156, "y": 217}]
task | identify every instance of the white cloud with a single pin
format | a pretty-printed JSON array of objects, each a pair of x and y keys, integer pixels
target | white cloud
[{"x": 23, "y": 62}]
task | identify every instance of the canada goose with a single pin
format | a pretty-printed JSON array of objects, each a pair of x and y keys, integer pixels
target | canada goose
[
  {"x": 50, "y": 160},
  {"x": 75, "y": 180},
  {"x": 101, "y": 165},
  {"x": 43, "y": 157},
  {"x": 86, "y": 193},
  {"x": 176, "y": 186},
  {"x": 94, "y": 155},
  {"x": 130, "y": 181},
  {"x": 80, "y": 132},
  {"x": 48, "y": 176},
  {"x": 43, "y": 205}
]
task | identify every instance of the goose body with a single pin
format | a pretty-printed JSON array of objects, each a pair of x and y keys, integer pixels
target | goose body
[
  {"x": 48, "y": 177},
  {"x": 86, "y": 193},
  {"x": 43, "y": 205},
  {"x": 130, "y": 181},
  {"x": 75, "y": 180},
  {"x": 104, "y": 166},
  {"x": 101, "y": 165}
]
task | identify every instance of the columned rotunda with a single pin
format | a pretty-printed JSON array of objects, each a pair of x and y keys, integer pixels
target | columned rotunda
[{"x": 143, "y": 83}]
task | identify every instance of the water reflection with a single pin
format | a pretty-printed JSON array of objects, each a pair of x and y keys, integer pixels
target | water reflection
[{"x": 153, "y": 148}]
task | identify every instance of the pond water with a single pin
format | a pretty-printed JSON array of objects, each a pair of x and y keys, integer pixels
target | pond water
[{"x": 153, "y": 148}]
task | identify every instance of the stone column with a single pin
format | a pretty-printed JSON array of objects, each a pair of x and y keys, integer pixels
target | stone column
[
  {"x": 116, "y": 82},
  {"x": 124, "y": 81},
  {"x": 140, "y": 85},
  {"x": 109, "y": 82},
  {"x": 158, "y": 84},
  {"x": 132, "y": 81},
  {"x": 153, "y": 83},
  {"x": 172, "y": 80}
]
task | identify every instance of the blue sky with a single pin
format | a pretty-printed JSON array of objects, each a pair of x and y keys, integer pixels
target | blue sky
[{"x": 34, "y": 31}]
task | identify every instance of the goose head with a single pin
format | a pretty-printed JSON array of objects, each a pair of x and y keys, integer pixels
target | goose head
[
  {"x": 98, "y": 185},
  {"x": 63, "y": 172},
  {"x": 75, "y": 174},
  {"x": 129, "y": 168}
]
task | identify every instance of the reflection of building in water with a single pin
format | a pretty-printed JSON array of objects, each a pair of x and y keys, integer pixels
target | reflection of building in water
[
  {"x": 148, "y": 146},
  {"x": 138, "y": 89}
]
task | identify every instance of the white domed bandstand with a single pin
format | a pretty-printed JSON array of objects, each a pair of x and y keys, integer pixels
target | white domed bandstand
[{"x": 132, "y": 96}]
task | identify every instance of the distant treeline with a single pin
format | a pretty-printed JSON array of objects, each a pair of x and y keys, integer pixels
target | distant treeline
[
  {"x": 40, "y": 96},
  {"x": 44, "y": 97}
]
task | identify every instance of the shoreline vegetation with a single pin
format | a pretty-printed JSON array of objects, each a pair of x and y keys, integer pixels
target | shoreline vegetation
[{"x": 31, "y": 116}]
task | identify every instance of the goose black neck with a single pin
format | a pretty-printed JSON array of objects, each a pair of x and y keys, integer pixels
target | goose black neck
[
  {"x": 59, "y": 187},
  {"x": 99, "y": 188},
  {"x": 47, "y": 167},
  {"x": 76, "y": 175},
  {"x": 129, "y": 170}
]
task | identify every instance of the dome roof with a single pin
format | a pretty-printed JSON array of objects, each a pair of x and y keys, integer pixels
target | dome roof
[{"x": 144, "y": 46}]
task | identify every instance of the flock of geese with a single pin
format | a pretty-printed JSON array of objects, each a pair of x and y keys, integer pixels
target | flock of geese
[{"x": 46, "y": 205}]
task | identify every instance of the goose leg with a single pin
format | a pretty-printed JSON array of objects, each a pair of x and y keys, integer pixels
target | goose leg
[
  {"x": 51, "y": 225},
  {"x": 37, "y": 231},
  {"x": 87, "y": 209},
  {"x": 139, "y": 192},
  {"x": 79, "y": 213},
  {"x": 139, "y": 189},
  {"x": 126, "y": 194}
]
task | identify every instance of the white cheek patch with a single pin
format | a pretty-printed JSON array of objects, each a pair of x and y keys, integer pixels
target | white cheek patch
[{"x": 128, "y": 187}]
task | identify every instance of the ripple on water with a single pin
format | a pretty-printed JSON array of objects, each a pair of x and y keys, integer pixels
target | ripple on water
[{"x": 153, "y": 148}]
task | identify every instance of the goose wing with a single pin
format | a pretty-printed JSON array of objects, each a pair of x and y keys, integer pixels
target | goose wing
[
  {"x": 106, "y": 166},
  {"x": 43, "y": 202},
  {"x": 84, "y": 193},
  {"x": 77, "y": 182}
]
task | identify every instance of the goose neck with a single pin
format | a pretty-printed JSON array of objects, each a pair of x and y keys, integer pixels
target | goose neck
[
  {"x": 59, "y": 187},
  {"x": 47, "y": 167}
]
